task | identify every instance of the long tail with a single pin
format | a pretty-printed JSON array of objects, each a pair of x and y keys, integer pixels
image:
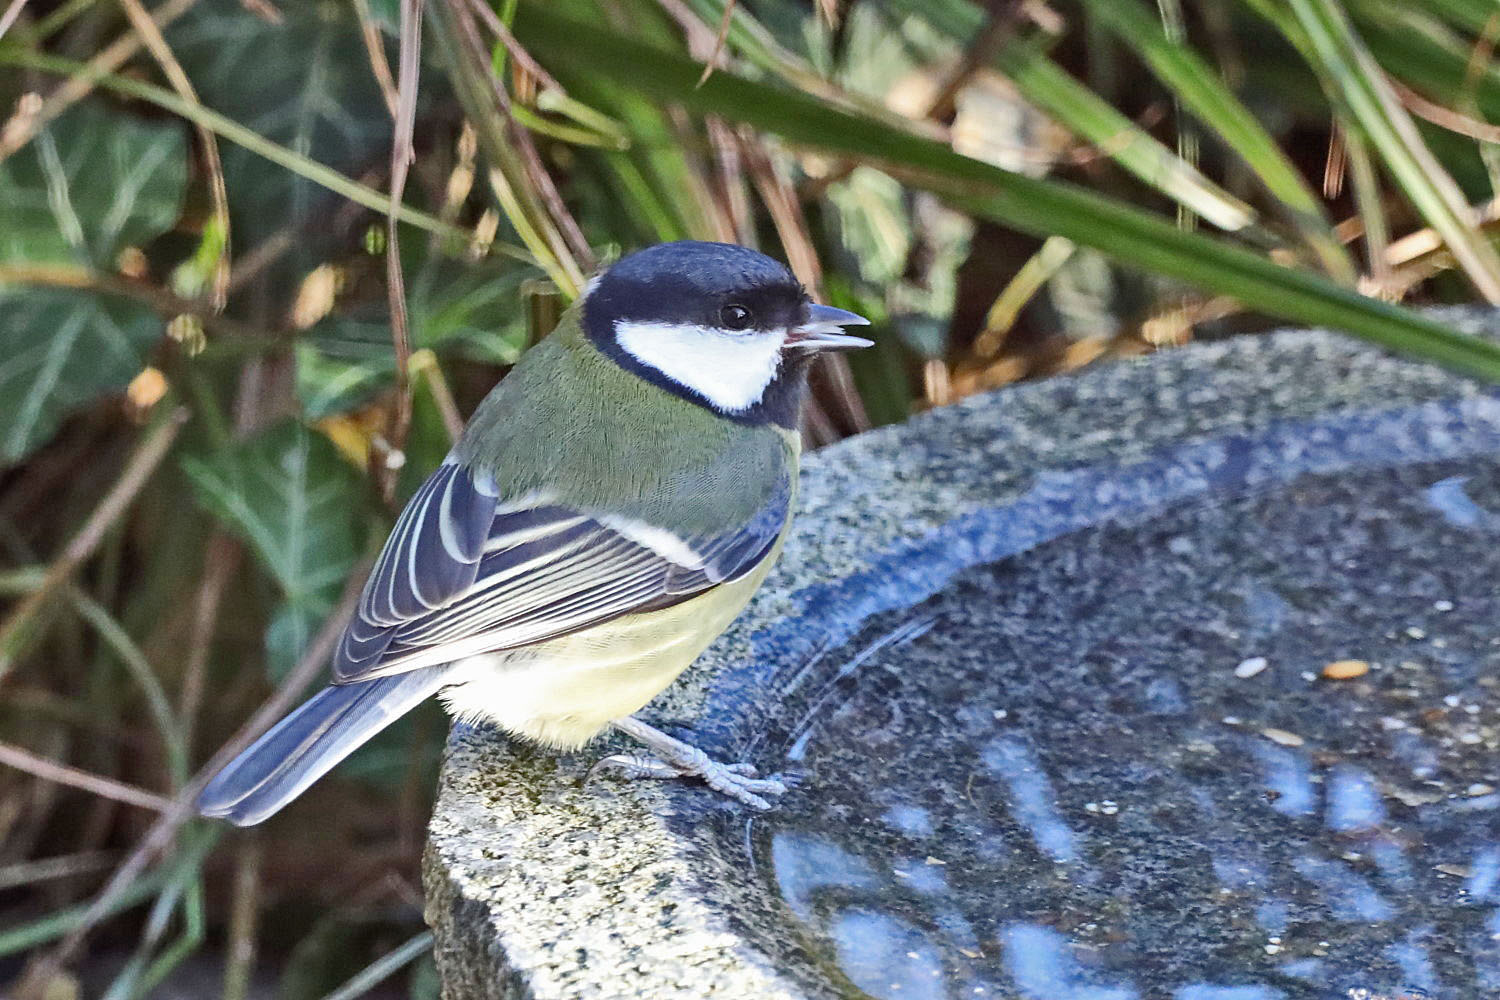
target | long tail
[{"x": 305, "y": 745}]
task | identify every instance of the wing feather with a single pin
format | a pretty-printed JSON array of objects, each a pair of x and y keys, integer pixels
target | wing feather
[{"x": 466, "y": 571}]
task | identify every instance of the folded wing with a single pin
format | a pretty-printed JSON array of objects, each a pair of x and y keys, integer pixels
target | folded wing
[{"x": 466, "y": 571}]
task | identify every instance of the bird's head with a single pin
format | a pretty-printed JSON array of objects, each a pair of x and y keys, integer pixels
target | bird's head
[{"x": 721, "y": 325}]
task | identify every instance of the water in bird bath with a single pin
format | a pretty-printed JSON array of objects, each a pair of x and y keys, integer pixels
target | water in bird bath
[{"x": 1113, "y": 767}]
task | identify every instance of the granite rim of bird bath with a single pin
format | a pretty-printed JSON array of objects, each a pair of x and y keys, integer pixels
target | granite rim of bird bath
[{"x": 538, "y": 887}]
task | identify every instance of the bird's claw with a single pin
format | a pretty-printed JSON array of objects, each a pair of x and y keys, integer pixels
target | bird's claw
[
  {"x": 632, "y": 766},
  {"x": 738, "y": 781}
]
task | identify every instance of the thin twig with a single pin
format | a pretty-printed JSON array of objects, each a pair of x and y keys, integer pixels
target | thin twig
[
  {"x": 9, "y": 17},
  {"x": 227, "y": 128},
  {"x": 162, "y": 832},
  {"x": 163, "y": 302},
  {"x": 221, "y": 560},
  {"x": 700, "y": 39},
  {"x": 261, "y": 256},
  {"x": 717, "y": 52},
  {"x": 1481, "y": 56},
  {"x": 390, "y": 459},
  {"x": 382, "y": 968},
  {"x": 30, "y": 873},
  {"x": 147, "y": 456},
  {"x": 523, "y": 59},
  {"x": 63, "y": 774},
  {"x": 576, "y": 246},
  {"x": 998, "y": 28},
  {"x": 1444, "y": 117},
  {"x": 432, "y": 373},
  {"x": 729, "y": 165},
  {"x": 375, "y": 48},
  {"x": 218, "y": 196},
  {"x": 78, "y": 86},
  {"x": 265, "y": 10},
  {"x": 239, "y": 959},
  {"x": 727, "y": 215}
]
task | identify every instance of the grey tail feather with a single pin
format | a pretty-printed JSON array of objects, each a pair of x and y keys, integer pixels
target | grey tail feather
[{"x": 305, "y": 745}]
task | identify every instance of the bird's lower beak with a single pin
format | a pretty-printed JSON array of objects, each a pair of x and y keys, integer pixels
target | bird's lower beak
[{"x": 823, "y": 330}]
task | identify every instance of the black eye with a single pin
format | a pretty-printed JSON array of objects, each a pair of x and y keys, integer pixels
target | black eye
[{"x": 735, "y": 317}]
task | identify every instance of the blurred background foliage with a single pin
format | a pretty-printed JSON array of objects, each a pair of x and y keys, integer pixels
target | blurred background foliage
[{"x": 258, "y": 259}]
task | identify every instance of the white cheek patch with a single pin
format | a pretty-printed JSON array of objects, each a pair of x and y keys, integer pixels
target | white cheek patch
[{"x": 729, "y": 369}]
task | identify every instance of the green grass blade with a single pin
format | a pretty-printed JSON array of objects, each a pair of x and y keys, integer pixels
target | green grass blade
[
  {"x": 1347, "y": 65},
  {"x": 1198, "y": 86},
  {"x": 185, "y": 861},
  {"x": 1041, "y": 207},
  {"x": 383, "y": 968},
  {"x": 1083, "y": 112},
  {"x": 1416, "y": 51}
]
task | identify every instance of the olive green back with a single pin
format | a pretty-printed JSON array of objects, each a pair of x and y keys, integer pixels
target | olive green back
[{"x": 570, "y": 423}]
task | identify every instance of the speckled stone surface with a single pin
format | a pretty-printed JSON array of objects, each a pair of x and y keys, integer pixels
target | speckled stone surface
[{"x": 1013, "y": 651}]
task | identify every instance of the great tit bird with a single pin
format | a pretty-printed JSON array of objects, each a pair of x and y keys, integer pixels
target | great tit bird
[{"x": 609, "y": 510}]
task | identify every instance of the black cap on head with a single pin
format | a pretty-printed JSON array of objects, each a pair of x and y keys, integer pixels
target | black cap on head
[
  {"x": 712, "y": 286},
  {"x": 694, "y": 282}
]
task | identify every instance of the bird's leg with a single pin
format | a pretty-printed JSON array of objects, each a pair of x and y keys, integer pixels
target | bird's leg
[{"x": 672, "y": 758}]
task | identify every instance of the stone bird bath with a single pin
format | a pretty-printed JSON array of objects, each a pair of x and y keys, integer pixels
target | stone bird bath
[{"x": 1177, "y": 678}]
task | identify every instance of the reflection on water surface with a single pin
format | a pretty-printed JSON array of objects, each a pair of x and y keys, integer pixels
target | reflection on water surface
[{"x": 1050, "y": 782}]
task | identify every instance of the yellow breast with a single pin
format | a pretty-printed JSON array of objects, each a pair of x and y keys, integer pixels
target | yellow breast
[{"x": 562, "y": 693}]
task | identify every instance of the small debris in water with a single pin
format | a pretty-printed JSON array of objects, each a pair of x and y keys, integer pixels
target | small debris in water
[
  {"x": 1479, "y": 788},
  {"x": 1282, "y": 737},
  {"x": 1416, "y": 633},
  {"x": 1414, "y": 798},
  {"x": 1457, "y": 871},
  {"x": 1343, "y": 670},
  {"x": 1442, "y": 605},
  {"x": 1251, "y": 667},
  {"x": 935, "y": 861}
]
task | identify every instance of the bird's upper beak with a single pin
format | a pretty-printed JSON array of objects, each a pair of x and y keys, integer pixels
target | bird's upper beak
[{"x": 823, "y": 330}]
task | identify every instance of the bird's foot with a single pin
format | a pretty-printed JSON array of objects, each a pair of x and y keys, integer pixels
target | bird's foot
[{"x": 672, "y": 758}]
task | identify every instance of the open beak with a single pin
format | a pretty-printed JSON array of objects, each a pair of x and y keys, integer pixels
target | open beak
[{"x": 824, "y": 330}]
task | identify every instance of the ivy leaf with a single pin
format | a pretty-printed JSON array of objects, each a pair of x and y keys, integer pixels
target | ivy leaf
[
  {"x": 59, "y": 350},
  {"x": 90, "y": 184},
  {"x": 290, "y": 496},
  {"x": 304, "y": 82},
  {"x": 474, "y": 312}
]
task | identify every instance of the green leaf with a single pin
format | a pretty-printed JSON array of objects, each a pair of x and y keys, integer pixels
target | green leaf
[
  {"x": 59, "y": 350},
  {"x": 91, "y": 183},
  {"x": 1041, "y": 207},
  {"x": 458, "y": 311},
  {"x": 294, "y": 500},
  {"x": 304, "y": 83}
]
